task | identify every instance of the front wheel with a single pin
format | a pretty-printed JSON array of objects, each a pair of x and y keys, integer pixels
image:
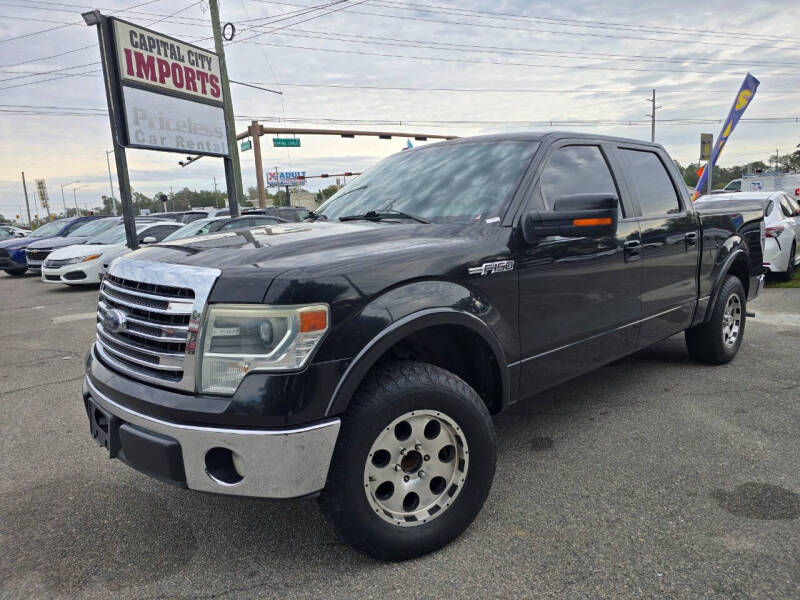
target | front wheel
[
  {"x": 413, "y": 464},
  {"x": 718, "y": 340}
]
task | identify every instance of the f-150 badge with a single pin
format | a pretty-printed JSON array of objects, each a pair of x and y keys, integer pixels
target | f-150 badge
[{"x": 492, "y": 267}]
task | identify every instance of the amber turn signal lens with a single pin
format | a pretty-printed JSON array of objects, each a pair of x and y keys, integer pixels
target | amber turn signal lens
[
  {"x": 315, "y": 320},
  {"x": 591, "y": 222}
]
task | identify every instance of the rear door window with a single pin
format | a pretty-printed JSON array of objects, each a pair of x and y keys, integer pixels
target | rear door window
[
  {"x": 652, "y": 184},
  {"x": 786, "y": 207}
]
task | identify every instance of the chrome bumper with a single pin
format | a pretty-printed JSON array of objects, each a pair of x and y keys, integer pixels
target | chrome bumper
[{"x": 284, "y": 463}]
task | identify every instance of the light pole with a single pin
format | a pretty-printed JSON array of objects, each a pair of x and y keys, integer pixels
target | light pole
[
  {"x": 111, "y": 185},
  {"x": 75, "y": 196},
  {"x": 63, "y": 185}
]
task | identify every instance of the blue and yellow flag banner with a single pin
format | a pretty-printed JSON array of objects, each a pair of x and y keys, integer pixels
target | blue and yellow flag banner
[{"x": 740, "y": 104}]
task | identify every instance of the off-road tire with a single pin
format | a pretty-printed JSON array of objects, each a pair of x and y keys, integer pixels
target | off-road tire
[
  {"x": 389, "y": 392},
  {"x": 706, "y": 342}
]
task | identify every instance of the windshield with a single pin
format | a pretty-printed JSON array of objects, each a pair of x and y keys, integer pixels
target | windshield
[
  {"x": 51, "y": 228},
  {"x": 116, "y": 235},
  {"x": 452, "y": 183},
  {"x": 93, "y": 227},
  {"x": 194, "y": 228}
]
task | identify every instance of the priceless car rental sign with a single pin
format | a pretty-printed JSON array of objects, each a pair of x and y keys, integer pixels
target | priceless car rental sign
[{"x": 171, "y": 92}]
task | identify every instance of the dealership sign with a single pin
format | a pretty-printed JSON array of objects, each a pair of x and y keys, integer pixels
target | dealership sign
[
  {"x": 283, "y": 178},
  {"x": 171, "y": 93}
]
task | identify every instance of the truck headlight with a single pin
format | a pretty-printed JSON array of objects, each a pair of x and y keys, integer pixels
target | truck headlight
[{"x": 240, "y": 338}]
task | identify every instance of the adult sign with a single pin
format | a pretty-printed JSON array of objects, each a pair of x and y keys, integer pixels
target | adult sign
[
  {"x": 283, "y": 178},
  {"x": 171, "y": 92}
]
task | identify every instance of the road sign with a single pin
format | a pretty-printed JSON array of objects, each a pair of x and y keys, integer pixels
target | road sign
[
  {"x": 706, "y": 142},
  {"x": 246, "y": 145},
  {"x": 286, "y": 142}
]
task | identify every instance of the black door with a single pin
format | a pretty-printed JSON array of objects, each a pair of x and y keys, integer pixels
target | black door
[
  {"x": 670, "y": 244},
  {"x": 578, "y": 298}
]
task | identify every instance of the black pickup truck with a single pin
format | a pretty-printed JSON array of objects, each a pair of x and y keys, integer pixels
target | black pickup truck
[{"x": 358, "y": 355}]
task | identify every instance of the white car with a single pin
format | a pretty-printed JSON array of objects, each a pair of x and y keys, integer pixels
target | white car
[
  {"x": 15, "y": 231},
  {"x": 82, "y": 264},
  {"x": 782, "y": 223}
]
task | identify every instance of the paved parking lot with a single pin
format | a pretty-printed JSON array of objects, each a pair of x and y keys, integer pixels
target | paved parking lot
[{"x": 654, "y": 476}]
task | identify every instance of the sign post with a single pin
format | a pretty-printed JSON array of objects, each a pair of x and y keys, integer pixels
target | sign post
[{"x": 163, "y": 94}]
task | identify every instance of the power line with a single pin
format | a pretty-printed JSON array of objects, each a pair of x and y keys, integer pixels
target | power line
[
  {"x": 87, "y": 111},
  {"x": 434, "y": 45},
  {"x": 521, "y": 90},
  {"x": 531, "y": 29},
  {"x": 27, "y": 35},
  {"x": 579, "y": 22},
  {"x": 495, "y": 62}
]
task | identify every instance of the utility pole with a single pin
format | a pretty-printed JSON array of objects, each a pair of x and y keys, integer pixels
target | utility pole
[
  {"x": 652, "y": 116},
  {"x": 233, "y": 170},
  {"x": 255, "y": 135},
  {"x": 111, "y": 185},
  {"x": 27, "y": 205}
]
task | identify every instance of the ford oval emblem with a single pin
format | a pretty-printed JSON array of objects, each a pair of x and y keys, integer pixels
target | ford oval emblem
[{"x": 114, "y": 320}]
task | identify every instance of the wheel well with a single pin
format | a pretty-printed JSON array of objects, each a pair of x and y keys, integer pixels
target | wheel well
[
  {"x": 739, "y": 269},
  {"x": 459, "y": 350}
]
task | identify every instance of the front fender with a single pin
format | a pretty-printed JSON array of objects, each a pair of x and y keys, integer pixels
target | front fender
[{"x": 405, "y": 310}]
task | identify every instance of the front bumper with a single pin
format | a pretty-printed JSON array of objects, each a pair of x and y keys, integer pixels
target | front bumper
[
  {"x": 271, "y": 463},
  {"x": 70, "y": 274}
]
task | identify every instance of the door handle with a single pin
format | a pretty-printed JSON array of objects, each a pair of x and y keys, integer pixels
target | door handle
[
  {"x": 691, "y": 239},
  {"x": 633, "y": 250}
]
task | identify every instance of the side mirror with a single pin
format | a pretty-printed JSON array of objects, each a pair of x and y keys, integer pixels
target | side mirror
[
  {"x": 149, "y": 240},
  {"x": 574, "y": 216}
]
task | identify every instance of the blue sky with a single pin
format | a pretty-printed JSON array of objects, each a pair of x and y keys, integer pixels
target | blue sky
[{"x": 594, "y": 58}]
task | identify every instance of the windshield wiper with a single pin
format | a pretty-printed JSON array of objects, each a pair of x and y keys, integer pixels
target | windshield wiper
[{"x": 380, "y": 216}]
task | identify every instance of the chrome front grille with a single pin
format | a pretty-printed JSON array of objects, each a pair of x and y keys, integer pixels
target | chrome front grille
[
  {"x": 148, "y": 319},
  {"x": 38, "y": 254}
]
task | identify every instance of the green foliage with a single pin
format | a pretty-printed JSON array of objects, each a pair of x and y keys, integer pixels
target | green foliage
[{"x": 722, "y": 176}]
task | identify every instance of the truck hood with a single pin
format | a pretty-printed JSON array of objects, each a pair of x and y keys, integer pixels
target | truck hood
[{"x": 251, "y": 259}]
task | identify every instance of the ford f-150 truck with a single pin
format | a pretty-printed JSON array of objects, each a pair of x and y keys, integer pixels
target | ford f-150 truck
[{"x": 358, "y": 355}]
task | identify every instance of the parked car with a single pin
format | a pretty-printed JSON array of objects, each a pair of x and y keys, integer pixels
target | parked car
[
  {"x": 12, "y": 252},
  {"x": 198, "y": 227},
  {"x": 81, "y": 264},
  {"x": 195, "y": 214},
  {"x": 15, "y": 231},
  {"x": 39, "y": 250},
  {"x": 167, "y": 216},
  {"x": 5, "y": 234},
  {"x": 360, "y": 356},
  {"x": 288, "y": 213},
  {"x": 782, "y": 223},
  {"x": 251, "y": 220}
]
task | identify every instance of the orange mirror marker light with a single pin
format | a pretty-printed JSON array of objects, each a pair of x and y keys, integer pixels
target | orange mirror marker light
[{"x": 591, "y": 222}]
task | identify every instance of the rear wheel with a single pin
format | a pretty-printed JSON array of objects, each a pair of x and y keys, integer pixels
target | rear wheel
[
  {"x": 413, "y": 464},
  {"x": 16, "y": 272},
  {"x": 789, "y": 272},
  {"x": 717, "y": 340}
]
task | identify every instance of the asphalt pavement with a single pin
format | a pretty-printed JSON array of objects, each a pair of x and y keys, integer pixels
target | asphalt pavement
[{"x": 652, "y": 477}]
